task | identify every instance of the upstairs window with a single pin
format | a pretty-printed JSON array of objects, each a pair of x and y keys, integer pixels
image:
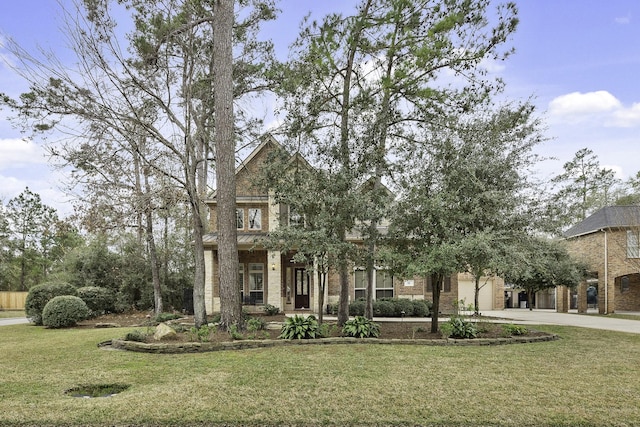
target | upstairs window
[
  {"x": 633, "y": 244},
  {"x": 255, "y": 219},
  {"x": 240, "y": 219},
  {"x": 295, "y": 219}
]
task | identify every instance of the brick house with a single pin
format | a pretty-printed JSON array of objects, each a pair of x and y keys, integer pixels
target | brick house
[
  {"x": 608, "y": 242},
  {"x": 272, "y": 277}
]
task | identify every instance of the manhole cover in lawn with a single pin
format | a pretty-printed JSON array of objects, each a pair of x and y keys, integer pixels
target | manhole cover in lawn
[{"x": 96, "y": 390}]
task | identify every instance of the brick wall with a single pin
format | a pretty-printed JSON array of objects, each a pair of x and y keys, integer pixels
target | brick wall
[{"x": 591, "y": 250}]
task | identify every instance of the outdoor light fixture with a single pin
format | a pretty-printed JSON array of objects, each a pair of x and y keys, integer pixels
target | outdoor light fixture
[{"x": 273, "y": 266}]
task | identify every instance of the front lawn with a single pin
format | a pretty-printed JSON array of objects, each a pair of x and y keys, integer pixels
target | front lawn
[
  {"x": 587, "y": 377},
  {"x": 8, "y": 314}
]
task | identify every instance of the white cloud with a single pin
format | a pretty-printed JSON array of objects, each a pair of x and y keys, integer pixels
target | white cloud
[
  {"x": 577, "y": 104},
  {"x": 11, "y": 187},
  {"x": 17, "y": 153},
  {"x": 625, "y": 117},
  {"x": 623, "y": 20},
  {"x": 598, "y": 108}
]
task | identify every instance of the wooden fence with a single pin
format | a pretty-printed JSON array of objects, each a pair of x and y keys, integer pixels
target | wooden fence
[{"x": 12, "y": 300}]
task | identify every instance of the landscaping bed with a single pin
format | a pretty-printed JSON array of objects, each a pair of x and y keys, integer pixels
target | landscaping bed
[{"x": 188, "y": 339}]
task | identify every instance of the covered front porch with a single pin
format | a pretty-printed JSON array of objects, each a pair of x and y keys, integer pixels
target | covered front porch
[{"x": 265, "y": 277}]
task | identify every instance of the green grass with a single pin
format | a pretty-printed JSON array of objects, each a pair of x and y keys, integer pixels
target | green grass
[
  {"x": 7, "y": 314},
  {"x": 627, "y": 316},
  {"x": 587, "y": 378}
]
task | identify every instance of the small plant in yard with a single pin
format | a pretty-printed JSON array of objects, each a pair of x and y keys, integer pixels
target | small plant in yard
[
  {"x": 235, "y": 333},
  {"x": 361, "y": 327},
  {"x": 163, "y": 317},
  {"x": 511, "y": 330},
  {"x": 202, "y": 334},
  {"x": 300, "y": 327},
  {"x": 254, "y": 325},
  {"x": 327, "y": 329},
  {"x": 457, "y": 327},
  {"x": 271, "y": 310},
  {"x": 416, "y": 330},
  {"x": 135, "y": 335}
]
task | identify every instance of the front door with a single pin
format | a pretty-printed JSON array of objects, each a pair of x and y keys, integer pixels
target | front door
[{"x": 301, "y": 286}]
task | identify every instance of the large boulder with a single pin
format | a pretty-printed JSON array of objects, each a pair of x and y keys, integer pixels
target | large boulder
[{"x": 164, "y": 332}]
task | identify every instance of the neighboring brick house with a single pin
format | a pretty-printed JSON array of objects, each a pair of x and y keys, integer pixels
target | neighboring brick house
[
  {"x": 271, "y": 277},
  {"x": 608, "y": 242}
]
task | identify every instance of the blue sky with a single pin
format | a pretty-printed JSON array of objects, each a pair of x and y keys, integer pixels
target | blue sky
[{"x": 579, "y": 59}]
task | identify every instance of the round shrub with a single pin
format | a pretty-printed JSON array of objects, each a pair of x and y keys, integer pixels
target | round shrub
[
  {"x": 403, "y": 305},
  {"x": 421, "y": 308},
  {"x": 356, "y": 308},
  {"x": 64, "y": 311},
  {"x": 99, "y": 300},
  {"x": 40, "y": 295},
  {"x": 384, "y": 308}
]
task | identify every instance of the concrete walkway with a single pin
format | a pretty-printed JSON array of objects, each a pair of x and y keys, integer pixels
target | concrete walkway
[
  {"x": 13, "y": 321},
  {"x": 517, "y": 315},
  {"x": 538, "y": 317},
  {"x": 551, "y": 317}
]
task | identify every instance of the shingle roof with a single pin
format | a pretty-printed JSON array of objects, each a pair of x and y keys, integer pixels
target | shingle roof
[
  {"x": 244, "y": 239},
  {"x": 606, "y": 218}
]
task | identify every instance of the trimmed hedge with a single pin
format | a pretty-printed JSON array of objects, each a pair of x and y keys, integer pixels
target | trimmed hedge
[
  {"x": 384, "y": 308},
  {"x": 391, "y": 307},
  {"x": 64, "y": 311},
  {"x": 99, "y": 300},
  {"x": 40, "y": 295}
]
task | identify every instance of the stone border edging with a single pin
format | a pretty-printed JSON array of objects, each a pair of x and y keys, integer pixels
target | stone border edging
[{"x": 197, "y": 347}]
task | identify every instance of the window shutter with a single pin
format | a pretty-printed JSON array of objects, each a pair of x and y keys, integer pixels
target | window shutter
[{"x": 429, "y": 284}]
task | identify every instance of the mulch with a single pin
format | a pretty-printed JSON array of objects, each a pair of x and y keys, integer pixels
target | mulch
[{"x": 405, "y": 329}]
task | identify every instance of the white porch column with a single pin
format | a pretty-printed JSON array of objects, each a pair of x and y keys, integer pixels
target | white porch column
[
  {"x": 208, "y": 282},
  {"x": 274, "y": 274},
  {"x": 274, "y": 267}
]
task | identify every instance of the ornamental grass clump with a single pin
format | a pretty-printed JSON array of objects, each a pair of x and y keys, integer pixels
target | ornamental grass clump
[{"x": 64, "y": 311}]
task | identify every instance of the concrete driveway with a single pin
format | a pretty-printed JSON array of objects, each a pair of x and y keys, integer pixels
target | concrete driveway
[{"x": 551, "y": 317}]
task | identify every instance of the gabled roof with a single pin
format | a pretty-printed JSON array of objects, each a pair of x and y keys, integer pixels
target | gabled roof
[
  {"x": 606, "y": 218},
  {"x": 266, "y": 139}
]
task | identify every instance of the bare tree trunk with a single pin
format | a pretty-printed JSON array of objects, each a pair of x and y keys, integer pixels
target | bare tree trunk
[
  {"x": 230, "y": 305},
  {"x": 436, "y": 284},
  {"x": 137, "y": 173},
  {"x": 343, "y": 307},
  {"x": 153, "y": 253},
  {"x": 322, "y": 281},
  {"x": 199, "y": 307},
  {"x": 368, "y": 308},
  {"x": 476, "y": 296}
]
